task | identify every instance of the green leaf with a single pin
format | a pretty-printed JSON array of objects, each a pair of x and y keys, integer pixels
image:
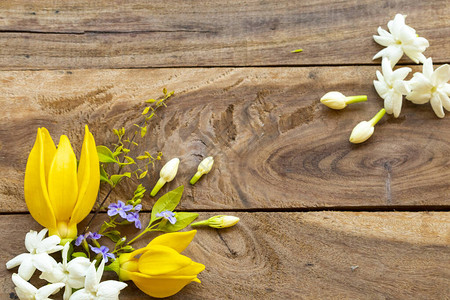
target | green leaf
[
  {"x": 105, "y": 155},
  {"x": 168, "y": 201},
  {"x": 164, "y": 91},
  {"x": 130, "y": 160},
  {"x": 113, "y": 235},
  {"x": 150, "y": 101},
  {"x": 183, "y": 220},
  {"x": 104, "y": 177},
  {"x": 142, "y": 157},
  {"x": 79, "y": 254},
  {"x": 115, "y": 179}
]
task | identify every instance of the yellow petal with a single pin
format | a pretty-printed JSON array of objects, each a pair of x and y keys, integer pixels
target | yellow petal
[
  {"x": 49, "y": 151},
  {"x": 159, "y": 286},
  {"x": 62, "y": 181},
  {"x": 159, "y": 260},
  {"x": 176, "y": 240},
  {"x": 190, "y": 270},
  {"x": 88, "y": 179},
  {"x": 36, "y": 194}
]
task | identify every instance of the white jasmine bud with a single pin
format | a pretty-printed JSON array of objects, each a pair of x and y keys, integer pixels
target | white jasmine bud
[
  {"x": 364, "y": 130},
  {"x": 220, "y": 221},
  {"x": 203, "y": 168},
  {"x": 336, "y": 100},
  {"x": 167, "y": 174}
]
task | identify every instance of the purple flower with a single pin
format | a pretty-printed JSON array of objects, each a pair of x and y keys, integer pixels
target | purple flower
[
  {"x": 119, "y": 208},
  {"x": 104, "y": 251},
  {"x": 89, "y": 235},
  {"x": 134, "y": 217},
  {"x": 138, "y": 207},
  {"x": 167, "y": 214}
]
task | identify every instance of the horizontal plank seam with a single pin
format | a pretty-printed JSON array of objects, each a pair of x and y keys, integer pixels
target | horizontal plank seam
[
  {"x": 406, "y": 208},
  {"x": 81, "y": 32},
  {"x": 436, "y": 64}
]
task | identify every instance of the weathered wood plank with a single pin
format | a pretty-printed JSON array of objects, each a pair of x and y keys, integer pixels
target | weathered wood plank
[
  {"x": 122, "y": 34},
  {"x": 396, "y": 255},
  {"x": 274, "y": 144}
]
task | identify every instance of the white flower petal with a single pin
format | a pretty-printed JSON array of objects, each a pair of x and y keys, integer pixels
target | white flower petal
[
  {"x": 407, "y": 35},
  {"x": 67, "y": 292},
  {"x": 100, "y": 271},
  {"x": 54, "y": 275},
  {"x": 427, "y": 68},
  {"x": 110, "y": 289},
  {"x": 17, "y": 260},
  {"x": 40, "y": 236},
  {"x": 386, "y": 68},
  {"x": 23, "y": 285},
  {"x": 49, "y": 245},
  {"x": 27, "y": 268},
  {"x": 47, "y": 290},
  {"x": 388, "y": 103},
  {"x": 384, "y": 40},
  {"x": 76, "y": 282},
  {"x": 401, "y": 87},
  {"x": 30, "y": 240},
  {"x": 395, "y": 53},
  {"x": 436, "y": 104},
  {"x": 91, "y": 281},
  {"x": 441, "y": 75},
  {"x": 44, "y": 262},
  {"x": 446, "y": 89},
  {"x": 397, "y": 100},
  {"x": 418, "y": 97},
  {"x": 395, "y": 26},
  {"x": 380, "y": 76},
  {"x": 445, "y": 100},
  {"x": 383, "y": 32},
  {"x": 78, "y": 266},
  {"x": 381, "y": 88},
  {"x": 419, "y": 83},
  {"x": 400, "y": 74},
  {"x": 81, "y": 295},
  {"x": 416, "y": 56}
]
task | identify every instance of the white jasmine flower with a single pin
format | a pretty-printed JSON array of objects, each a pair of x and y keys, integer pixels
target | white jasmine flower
[
  {"x": 337, "y": 100},
  {"x": 431, "y": 86},
  {"x": 39, "y": 257},
  {"x": 96, "y": 290},
  {"x": 391, "y": 87},
  {"x": 26, "y": 291},
  {"x": 167, "y": 174},
  {"x": 70, "y": 273},
  {"x": 401, "y": 39},
  {"x": 364, "y": 130}
]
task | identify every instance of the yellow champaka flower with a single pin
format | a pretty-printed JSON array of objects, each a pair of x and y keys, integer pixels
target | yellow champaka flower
[
  {"x": 160, "y": 270},
  {"x": 57, "y": 193}
]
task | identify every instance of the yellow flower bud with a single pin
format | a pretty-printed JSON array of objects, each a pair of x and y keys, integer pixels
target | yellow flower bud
[{"x": 159, "y": 269}]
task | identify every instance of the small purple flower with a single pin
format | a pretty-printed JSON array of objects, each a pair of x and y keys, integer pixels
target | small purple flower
[
  {"x": 89, "y": 235},
  {"x": 134, "y": 217},
  {"x": 167, "y": 214},
  {"x": 138, "y": 207},
  {"x": 119, "y": 208},
  {"x": 104, "y": 251}
]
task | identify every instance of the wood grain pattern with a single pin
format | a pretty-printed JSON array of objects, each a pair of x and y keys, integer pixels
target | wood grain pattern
[
  {"x": 303, "y": 256},
  {"x": 123, "y": 34},
  {"x": 275, "y": 146}
]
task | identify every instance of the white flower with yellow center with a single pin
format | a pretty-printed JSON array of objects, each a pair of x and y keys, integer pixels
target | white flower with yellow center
[
  {"x": 431, "y": 86},
  {"x": 400, "y": 39},
  {"x": 391, "y": 87}
]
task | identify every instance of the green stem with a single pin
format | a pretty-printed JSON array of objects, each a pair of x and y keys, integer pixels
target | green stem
[
  {"x": 195, "y": 178},
  {"x": 157, "y": 187},
  {"x": 149, "y": 228},
  {"x": 356, "y": 99},
  {"x": 204, "y": 222},
  {"x": 377, "y": 117}
]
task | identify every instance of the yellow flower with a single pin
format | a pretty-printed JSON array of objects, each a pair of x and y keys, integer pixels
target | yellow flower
[
  {"x": 160, "y": 270},
  {"x": 58, "y": 195}
]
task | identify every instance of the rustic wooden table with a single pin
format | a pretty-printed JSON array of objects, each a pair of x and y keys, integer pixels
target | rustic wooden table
[{"x": 320, "y": 218}]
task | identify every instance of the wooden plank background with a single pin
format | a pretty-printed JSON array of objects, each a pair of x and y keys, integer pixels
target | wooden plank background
[{"x": 319, "y": 216}]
